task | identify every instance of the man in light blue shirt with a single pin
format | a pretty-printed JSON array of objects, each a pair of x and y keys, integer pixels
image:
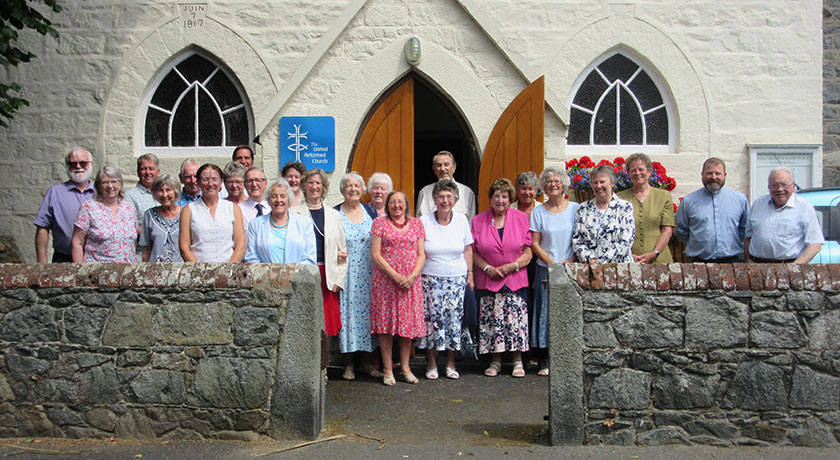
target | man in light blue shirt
[
  {"x": 713, "y": 220},
  {"x": 190, "y": 192},
  {"x": 783, "y": 227}
]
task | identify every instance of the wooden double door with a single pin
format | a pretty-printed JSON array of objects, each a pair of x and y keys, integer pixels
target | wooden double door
[{"x": 516, "y": 142}]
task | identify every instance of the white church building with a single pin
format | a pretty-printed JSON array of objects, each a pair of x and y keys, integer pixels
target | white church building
[{"x": 506, "y": 85}]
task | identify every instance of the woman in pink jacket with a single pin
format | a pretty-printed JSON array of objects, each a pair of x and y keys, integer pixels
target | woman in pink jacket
[{"x": 501, "y": 252}]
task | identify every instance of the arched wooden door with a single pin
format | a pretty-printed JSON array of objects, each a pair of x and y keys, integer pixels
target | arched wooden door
[
  {"x": 516, "y": 143},
  {"x": 387, "y": 141}
]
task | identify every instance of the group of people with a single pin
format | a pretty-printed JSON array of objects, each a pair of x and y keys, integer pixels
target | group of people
[{"x": 390, "y": 280}]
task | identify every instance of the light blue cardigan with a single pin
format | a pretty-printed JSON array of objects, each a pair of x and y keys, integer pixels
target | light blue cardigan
[{"x": 300, "y": 240}]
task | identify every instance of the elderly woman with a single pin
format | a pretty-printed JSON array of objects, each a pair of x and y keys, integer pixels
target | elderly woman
[
  {"x": 653, "y": 211},
  {"x": 211, "y": 229},
  {"x": 379, "y": 186},
  {"x": 552, "y": 226},
  {"x": 356, "y": 220},
  {"x": 604, "y": 226},
  {"x": 106, "y": 227},
  {"x": 161, "y": 224},
  {"x": 527, "y": 189},
  {"x": 234, "y": 175},
  {"x": 501, "y": 251},
  {"x": 331, "y": 247},
  {"x": 292, "y": 172},
  {"x": 396, "y": 299},
  {"x": 446, "y": 273},
  {"x": 280, "y": 237}
]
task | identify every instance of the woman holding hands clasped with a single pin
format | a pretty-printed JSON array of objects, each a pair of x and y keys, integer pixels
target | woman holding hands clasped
[
  {"x": 552, "y": 226},
  {"x": 604, "y": 227},
  {"x": 448, "y": 269},
  {"x": 396, "y": 293},
  {"x": 501, "y": 251},
  {"x": 211, "y": 229},
  {"x": 653, "y": 211}
]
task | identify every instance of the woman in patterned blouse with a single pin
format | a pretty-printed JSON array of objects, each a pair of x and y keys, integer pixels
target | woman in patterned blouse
[
  {"x": 105, "y": 229},
  {"x": 604, "y": 225}
]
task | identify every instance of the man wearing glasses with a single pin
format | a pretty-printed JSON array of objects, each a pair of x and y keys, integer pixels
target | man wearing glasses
[
  {"x": 61, "y": 205},
  {"x": 782, "y": 228},
  {"x": 256, "y": 204}
]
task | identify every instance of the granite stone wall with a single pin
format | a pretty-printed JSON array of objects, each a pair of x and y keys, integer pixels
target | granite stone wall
[
  {"x": 181, "y": 351},
  {"x": 696, "y": 354}
]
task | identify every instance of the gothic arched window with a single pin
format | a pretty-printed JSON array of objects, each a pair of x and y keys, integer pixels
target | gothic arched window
[
  {"x": 618, "y": 105},
  {"x": 196, "y": 107}
]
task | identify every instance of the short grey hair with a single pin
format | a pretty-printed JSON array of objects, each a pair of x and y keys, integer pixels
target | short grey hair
[
  {"x": 380, "y": 178},
  {"x": 526, "y": 178},
  {"x": 167, "y": 179},
  {"x": 445, "y": 153},
  {"x": 233, "y": 169},
  {"x": 552, "y": 171},
  {"x": 446, "y": 185},
  {"x": 188, "y": 161},
  {"x": 148, "y": 157},
  {"x": 781, "y": 169},
  {"x": 110, "y": 171},
  {"x": 282, "y": 182},
  {"x": 351, "y": 175},
  {"x": 77, "y": 150},
  {"x": 605, "y": 169}
]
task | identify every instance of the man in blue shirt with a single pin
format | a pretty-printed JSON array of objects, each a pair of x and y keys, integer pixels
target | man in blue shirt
[
  {"x": 713, "y": 220},
  {"x": 190, "y": 191}
]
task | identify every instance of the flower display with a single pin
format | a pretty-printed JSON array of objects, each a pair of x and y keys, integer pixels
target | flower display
[{"x": 579, "y": 170}]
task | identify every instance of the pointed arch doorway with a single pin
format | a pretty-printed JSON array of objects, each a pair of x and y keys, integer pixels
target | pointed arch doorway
[
  {"x": 411, "y": 123},
  {"x": 414, "y": 120}
]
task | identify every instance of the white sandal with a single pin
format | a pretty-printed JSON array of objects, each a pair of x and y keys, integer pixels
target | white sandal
[
  {"x": 432, "y": 374},
  {"x": 451, "y": 373}
]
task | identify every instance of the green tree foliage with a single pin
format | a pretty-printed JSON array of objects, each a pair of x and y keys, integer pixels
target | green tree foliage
[{"x": 17, "y": 15}]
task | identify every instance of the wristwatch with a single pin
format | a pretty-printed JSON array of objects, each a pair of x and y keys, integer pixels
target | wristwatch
[{"x": 657, "y": 252}]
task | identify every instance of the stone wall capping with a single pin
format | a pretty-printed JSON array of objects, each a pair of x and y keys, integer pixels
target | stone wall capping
[{"x": 736, "y": 277}]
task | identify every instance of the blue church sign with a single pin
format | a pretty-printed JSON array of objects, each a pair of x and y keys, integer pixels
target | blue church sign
[{"x": 310, "y": 140}]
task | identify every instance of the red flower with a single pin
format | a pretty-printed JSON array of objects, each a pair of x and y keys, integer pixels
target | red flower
[
  {"x": 670, "y": 183},
  {"x": 577, "y": 178},
  {"x": 616, "y": 170},
  {"x": 619, "y": 161},
  {"x": 675, "y": 207},
  {"x": 573, "y": 162},
  {"x": 604, "y": 163},
  {"x": 585, "y": 159}
]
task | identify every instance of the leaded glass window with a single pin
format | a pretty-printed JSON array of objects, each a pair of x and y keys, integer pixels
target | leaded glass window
[
  {"x": 197, "y": 107},
  {"x": 619, "y": 104}
]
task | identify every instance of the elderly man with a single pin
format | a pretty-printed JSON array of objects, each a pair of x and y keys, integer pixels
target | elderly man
[
  {"x": 243, "y": 155},
  {"x": 61, "y": 205},
  {"x": 713, "y": 220},
  {"x": 256, "y": 204},
  {"x": 190, "y": 192},
  {"x": 140, "y": 197},
  {"x": 443, "y": 165},
  {"x": 782, "y": 227}
]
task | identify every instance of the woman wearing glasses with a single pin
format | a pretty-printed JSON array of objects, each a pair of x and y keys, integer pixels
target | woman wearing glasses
[{"x": 211, "y": 229}]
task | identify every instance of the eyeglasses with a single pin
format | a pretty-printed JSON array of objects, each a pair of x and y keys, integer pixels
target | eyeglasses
[
  {"x": 78, "y": 164},
  {"x": 210, "y": 180},
  {"x": 234, "y": 182},
  {"x": 255, "y": 181}
]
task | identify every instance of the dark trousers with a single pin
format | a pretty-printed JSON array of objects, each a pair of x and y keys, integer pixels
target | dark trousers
[{"x": 60, "y": 257}]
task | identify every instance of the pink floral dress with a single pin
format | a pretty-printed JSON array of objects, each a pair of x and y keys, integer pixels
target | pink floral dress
[
  {"x": 396, "y": 311},
  {"x": 108, "y": 238}
]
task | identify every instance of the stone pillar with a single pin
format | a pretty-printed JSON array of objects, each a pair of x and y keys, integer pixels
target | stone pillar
[
  {"x": 831, "y": 93},
  {"x": 565, "y": 388}
]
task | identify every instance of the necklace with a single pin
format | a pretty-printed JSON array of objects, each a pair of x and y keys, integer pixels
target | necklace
[
  {"x": 273, "y": 224},
  {"x": 314, "y": 206},
  {"x": 399, "y": 226}
]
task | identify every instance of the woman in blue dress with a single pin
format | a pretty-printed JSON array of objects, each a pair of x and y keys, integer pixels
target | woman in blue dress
[
  {"x": 552, "y": 225},
  {"x": 355, "y": 336}
]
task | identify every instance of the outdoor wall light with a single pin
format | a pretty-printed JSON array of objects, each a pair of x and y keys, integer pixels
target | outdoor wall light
[{"x": 412, "y": 50}]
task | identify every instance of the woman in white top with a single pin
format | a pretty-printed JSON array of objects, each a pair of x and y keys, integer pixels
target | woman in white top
[
  {"x": 551, "y": 241},
  {"x": 211, "y": 229},
  {"x": 448, "y": 269}
]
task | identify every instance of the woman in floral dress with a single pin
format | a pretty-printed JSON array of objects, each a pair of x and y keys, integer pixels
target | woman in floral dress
[
  {"x": 105, "y": 229},
  {"x": 604, "y": 226},
  {"x": 354, "y": 336},
  {"x": 396, "y": 293}
]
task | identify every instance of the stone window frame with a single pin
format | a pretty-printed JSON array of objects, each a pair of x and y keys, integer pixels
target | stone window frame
[
  {"x": 197, "y": 150},
  {"x": 667, "y": 104}
]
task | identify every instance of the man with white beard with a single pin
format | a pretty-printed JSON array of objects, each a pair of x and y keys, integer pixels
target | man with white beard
[{"x": 61, "y": 205}]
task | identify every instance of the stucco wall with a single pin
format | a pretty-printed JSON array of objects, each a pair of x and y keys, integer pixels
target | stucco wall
[
  {"x": 724, "y": 355},
  {"x": 182, "y": 351},
  {"x": 739, "y": 72}
]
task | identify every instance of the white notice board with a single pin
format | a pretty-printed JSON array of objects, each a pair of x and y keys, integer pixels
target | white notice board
[{"x": 802, "y": 159}]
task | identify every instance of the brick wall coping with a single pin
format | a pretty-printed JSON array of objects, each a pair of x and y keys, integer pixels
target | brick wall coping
[
  {"x": 145, "y": 275},
  {"x": 702, "y": 277}
]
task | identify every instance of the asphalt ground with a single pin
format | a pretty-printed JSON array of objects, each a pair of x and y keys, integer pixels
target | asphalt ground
[{"x": 472, "y": 417}]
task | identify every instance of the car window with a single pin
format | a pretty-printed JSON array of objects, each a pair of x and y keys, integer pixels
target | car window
[{"x": 833, "y": 232}]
